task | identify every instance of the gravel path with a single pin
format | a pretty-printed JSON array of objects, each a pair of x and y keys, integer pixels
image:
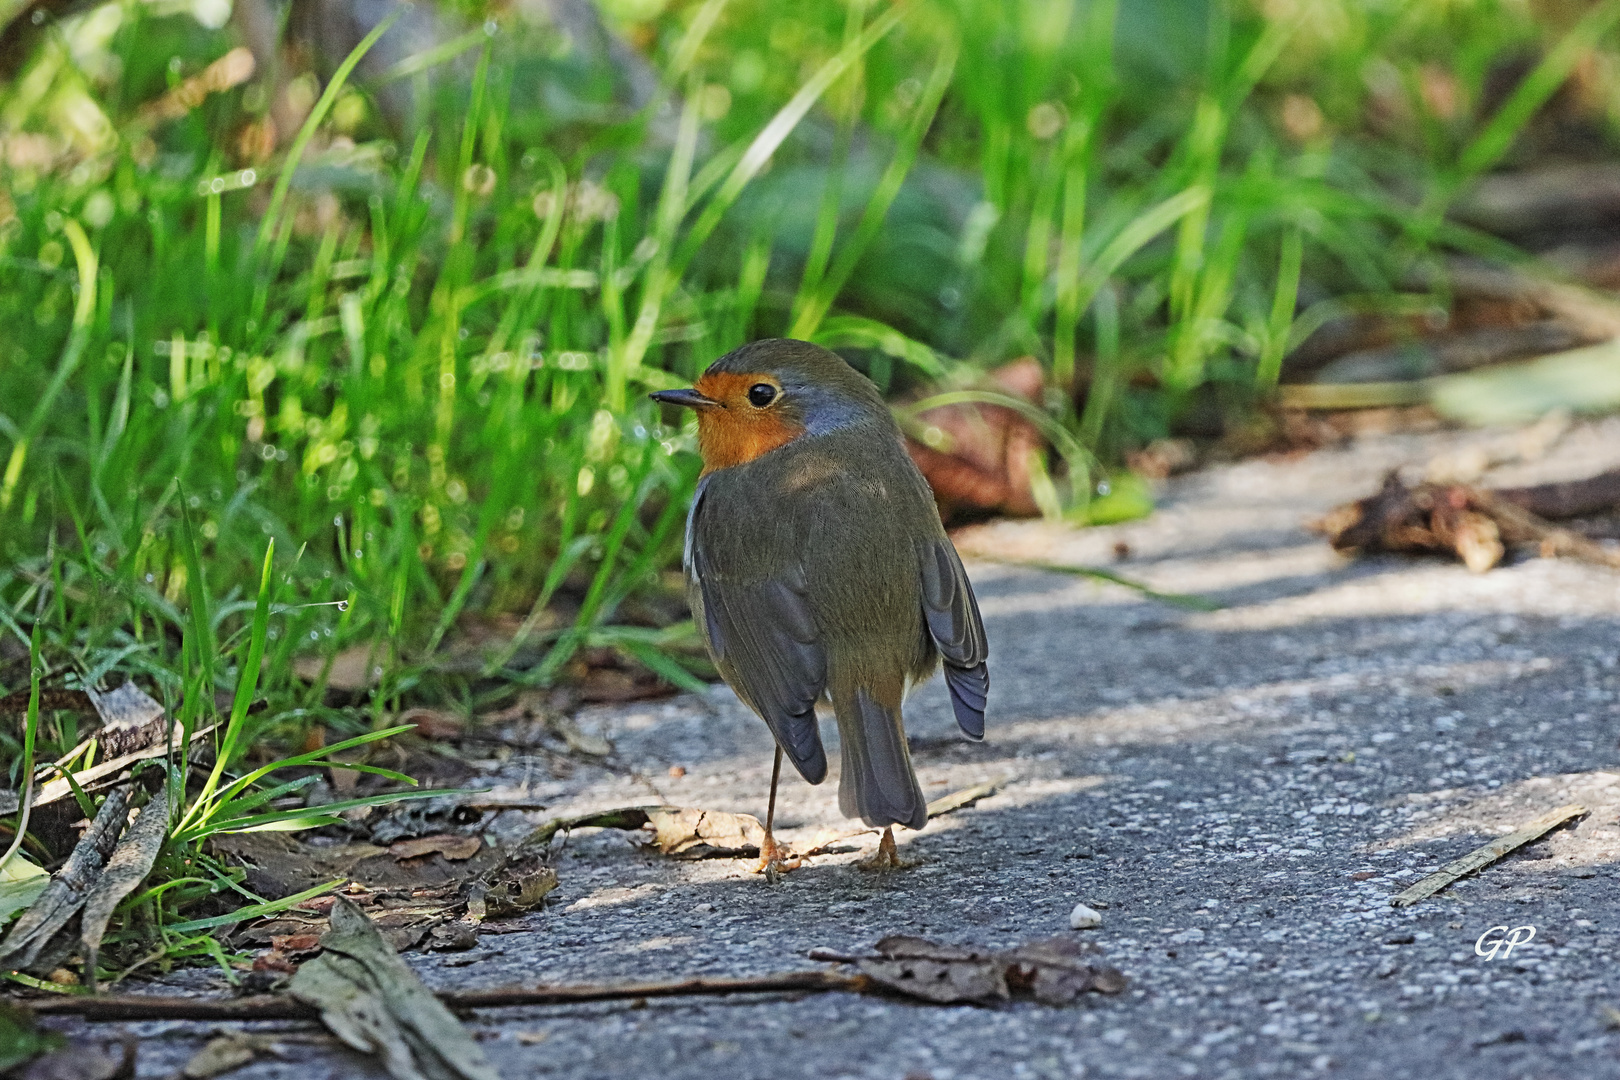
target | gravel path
[{"x": 1239, "y": 791}]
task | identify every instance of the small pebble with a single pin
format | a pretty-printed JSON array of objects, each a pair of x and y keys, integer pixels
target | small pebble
[{"x": 1084, "y": 918}]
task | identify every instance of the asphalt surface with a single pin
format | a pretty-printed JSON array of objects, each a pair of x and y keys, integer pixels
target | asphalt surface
[{"x": 1240, "y": 792}]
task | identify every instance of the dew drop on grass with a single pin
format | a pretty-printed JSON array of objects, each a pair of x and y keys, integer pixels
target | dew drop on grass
[{"x": 343, "y": 605}]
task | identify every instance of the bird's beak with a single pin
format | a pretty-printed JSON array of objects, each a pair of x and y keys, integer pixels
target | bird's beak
[{"x": 689, "y": 398}]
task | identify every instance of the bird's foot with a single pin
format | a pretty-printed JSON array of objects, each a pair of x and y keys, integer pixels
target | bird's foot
[
  {"x": 775, "y": 860},
  {"x": 886, "y": 857}
]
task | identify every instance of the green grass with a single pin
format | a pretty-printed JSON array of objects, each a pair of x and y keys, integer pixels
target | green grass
[{"x": 351, "y": 395}]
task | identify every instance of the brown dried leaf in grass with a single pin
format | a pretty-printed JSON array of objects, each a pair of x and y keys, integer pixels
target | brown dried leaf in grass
[
  {"x": 371, "y": 1000},
  {"x": 294, "y": 944},
  {"x": 434, "y": 724},
  {"x": 978, "y": 458},
  {"x": 612, "y": 685},
  {"x": 130, "y": 863},
  {"x": 60, "y": 788},
  {"x": 355, "y": 668},
  {"x": 131, "y": 720},
  {"x": 29, "y": 946},
  {"x": 232, "y": 69},
  {"x": 50, "y": 700}
]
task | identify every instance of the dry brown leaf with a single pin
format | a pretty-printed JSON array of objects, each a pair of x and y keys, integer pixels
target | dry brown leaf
[
  {"x": 232, "y": 69},
  {"x": 31, "y": 944},
  {"x": 578, "y": 741},
  {"x": 979, "y": 457},
  {"x": 130, "y": 863},
  {"x": 61, "y": 789},
  {"x": 453, "y": 846},
  {"x": 131, "y": 720},
  {"x": 433, "y": 724},
  {"x": 292, "y": 944},
  {"x": 371, "y": 1000},
  {"x": 687, "y": 832},
  {"x": 1053, "y": 972},
  {"x": 279, "y": 864},
  {"x": 355, "y": 668},
  {"x": 221, "y": 1055}
]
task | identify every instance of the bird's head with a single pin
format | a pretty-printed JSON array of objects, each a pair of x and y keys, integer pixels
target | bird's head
[{"x": 768, "y": 393}]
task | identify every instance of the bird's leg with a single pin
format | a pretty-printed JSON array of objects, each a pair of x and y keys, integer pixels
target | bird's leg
[
  {"x": 887, "y": 856},
  {"x": 774, "y": 860}
]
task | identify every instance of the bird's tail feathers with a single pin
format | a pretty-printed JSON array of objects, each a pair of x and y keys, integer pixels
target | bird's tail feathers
[{"x": 877, "y": 783}]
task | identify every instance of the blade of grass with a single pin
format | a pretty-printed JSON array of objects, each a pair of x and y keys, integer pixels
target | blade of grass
[
  {"x": 78, "y": 338},
  {"x": 825, "y": 291},
  {"x": 246, "y": 684},
  {"x": 295, "y": 153},
  {"x": 1182, "y": 600}
]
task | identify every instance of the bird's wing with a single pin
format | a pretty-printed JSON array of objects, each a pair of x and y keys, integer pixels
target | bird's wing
[
  {"x": 765, "y": 642},
  {"x": 953, "y": 622}
]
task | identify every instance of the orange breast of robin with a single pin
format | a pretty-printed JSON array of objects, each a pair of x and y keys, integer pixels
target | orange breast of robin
[{"x": 739, "y": 432}]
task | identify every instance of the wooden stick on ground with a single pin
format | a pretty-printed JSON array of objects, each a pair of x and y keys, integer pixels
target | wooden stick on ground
[
  {"x": 958, "y": 799},
  {"x": 134, "y": 1007},
  {"x": 1482, "y": 857}
]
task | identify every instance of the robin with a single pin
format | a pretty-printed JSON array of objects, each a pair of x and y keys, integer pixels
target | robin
[{"x": 817, "y": 569}]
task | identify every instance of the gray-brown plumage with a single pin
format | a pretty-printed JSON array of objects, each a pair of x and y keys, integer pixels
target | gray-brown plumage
[{"x": 817, "y": 569}]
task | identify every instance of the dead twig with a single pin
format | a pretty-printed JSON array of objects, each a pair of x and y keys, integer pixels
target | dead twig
[
  {"x": 118, "y": 1008},
  {"x": 966, "y": 797},
  {"x": 1482, "y": 857},
  {"x": 1476, "y": 524},
  {"x": 1598, "y": 494}
]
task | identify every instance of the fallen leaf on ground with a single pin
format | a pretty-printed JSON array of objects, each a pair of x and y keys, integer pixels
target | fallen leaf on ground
[
  {"x": 685, "y": 832},
  {"x": 220, "y": 1055},
  {"x": 293, "y": 944},
  {"x": 235, "y": 1049},
  {"x": 517, "y": 884},
  {"x": 61, "y": 789},
  {"x": 956, "y": 800},
  {"x": 21, "y": 882},
  {"x": 1053, "y": 972},
  {"x": 434, "y": 724},
  {"x": 31, "y": 945},
  {"x": 689, "y": 833},
  {"x": 130, "y": 863},
  {"x": 453, "y": 847},
  {"x": 279, "y": 864},
  {"x": 580, "y": 742},
  {"x": 371, "y": 1000}
]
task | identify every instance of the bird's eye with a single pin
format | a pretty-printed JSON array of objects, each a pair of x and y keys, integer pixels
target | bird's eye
[{"x": 761, "y": 395}]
